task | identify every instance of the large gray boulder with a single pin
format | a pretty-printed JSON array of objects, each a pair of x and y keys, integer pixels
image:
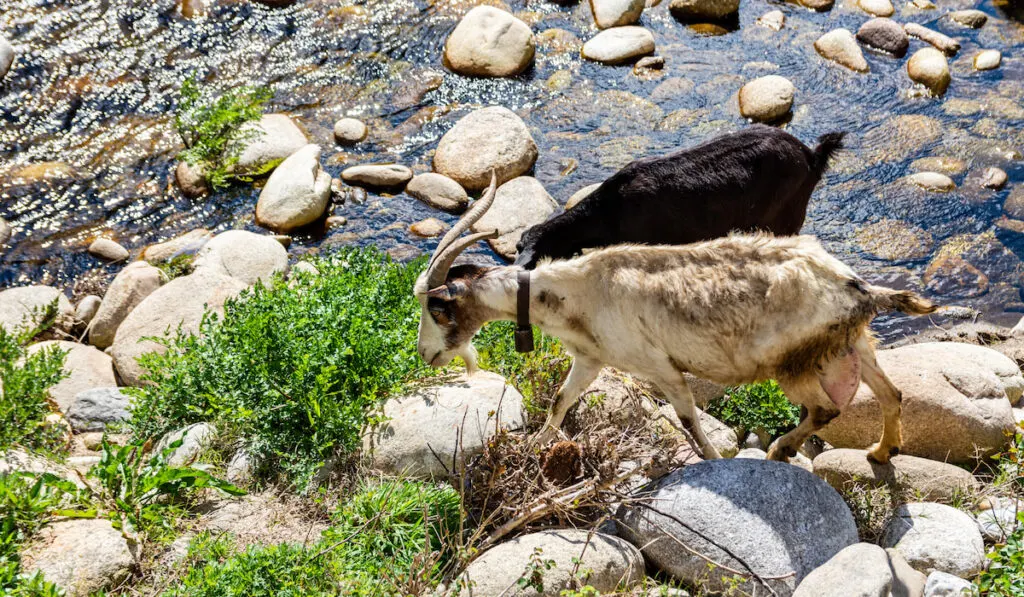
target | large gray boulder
[
  {"x": 484, "y": 140},
  {"x": 935, "y": 537},
  {"x": 86, "y": 368},
  {"x": 742, "y": 507},
  {"x": 93, "y": 410},
  {"x": 956, "y": 402},
  {"x": 518, "y": 204},
  {"x": 187, "y": 244},
  {"x": 296, "y": 194},
  {"x": 489, "y": 42},
  {"x": 243, "y": 255},
  {"x": 438, "y": 191},
  {"x": 383, "y": 176},
  {"x": 612, "y": 564},
  {"x": 425, "y": 431},
  {"x": 80, "y": 555},
  {"x": 130, "y": 287},
  {"x": 24, "y": 307},
  {"x": 930, "y": 479},
  {"x": 181, "y": 302},
  {"x": 272, "y": 138},
  {"x": 861, "y": 569}
]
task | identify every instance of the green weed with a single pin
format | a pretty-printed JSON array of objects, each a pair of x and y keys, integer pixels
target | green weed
[
  {"x": 760, "y": 407},
  {"x": 24, "y": 402}
]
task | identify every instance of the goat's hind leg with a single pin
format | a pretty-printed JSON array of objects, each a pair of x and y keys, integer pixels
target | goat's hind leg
[
  {"x": 808, "y": 393},
  {"x": 679, "y": 395},
  {"x": 889, "y": 398}
]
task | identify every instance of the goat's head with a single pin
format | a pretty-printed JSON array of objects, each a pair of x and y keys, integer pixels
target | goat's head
[
  {"x": 529, "y": 247},
  {"x": 448, "y": 320}
]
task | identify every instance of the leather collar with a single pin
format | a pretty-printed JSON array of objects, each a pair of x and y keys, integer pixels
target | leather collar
[{"x": 524, "y": 331}]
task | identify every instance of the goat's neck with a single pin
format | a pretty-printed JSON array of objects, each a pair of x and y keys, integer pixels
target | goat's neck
[{"x": 497, "y": 292}]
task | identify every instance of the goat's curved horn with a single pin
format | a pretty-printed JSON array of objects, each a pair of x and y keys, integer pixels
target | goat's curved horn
[{"x": 447, "y": 250}]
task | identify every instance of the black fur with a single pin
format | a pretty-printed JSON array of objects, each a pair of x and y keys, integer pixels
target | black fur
[{"x": 759, "y": 178}]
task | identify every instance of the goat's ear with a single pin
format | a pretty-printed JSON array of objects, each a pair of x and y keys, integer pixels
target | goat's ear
[{"x": 448, "y": 292}]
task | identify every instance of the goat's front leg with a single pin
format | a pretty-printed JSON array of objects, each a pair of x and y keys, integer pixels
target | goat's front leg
[
  {"x": 681, "y": 398},
  {"x": 583, "y": 373}
]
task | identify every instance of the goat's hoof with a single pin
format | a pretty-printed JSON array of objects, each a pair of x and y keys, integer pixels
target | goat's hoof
[{"x": 877, "y": 453}]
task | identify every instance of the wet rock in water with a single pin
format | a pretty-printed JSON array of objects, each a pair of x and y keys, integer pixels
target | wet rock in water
[
  {"x": 817, "y": 5},
  {"x": 766, "y": 98},
  {"x": 273, "y": 138},
  {"x": 993, "y": 178},
  {"x": 489, "y": 42},
  {"x": 191, "y": 9},
  {"x": 987, "y": 60},
  {"x": 619, "y": 44},
  {"x": 81, "y": 556},
  {"x": 26, "y": 306},
  {"x": 93, "y": 410},
  {"x": 194, "y": 439},
  {"x": 181, "y": 301},
  {"x": 518, "y": 204},
  {"x": 85, "y": 366},
  {"x": 614, "y": 564},
  {"x": 894, "y": 240},
  {"x": 615, "y": 13},
  {"x": 104, "y": 248},
  {"x": 186, "y": 244},
  {"x": 843, "y": 468},
  {"x": 488, "y": 139},
  {"x": 349, "y": 131},
  {"x": 333, "y": 222},
  {"x": 943, "y": 43},
  {"x": 296, "y": 194},
  {"x": 840, "y": 46},
  {"x": 941, "y": 584},
  {"x": 943, "y": 164},
  {"x": 404, "y": 253},
  {"x": 860, "y": 569},
  {"x": 877, "y": 8},
  {"x": 243, "y": 255},
  {"x": 86, "y": 309},
  {"x": 689, "y": 10},
  {"x": 581, "y": 194},
  {"x": 191, "y": 180},
  {"x": 724, "y": 499},
  {"x": 428, "y": 228},
  {"x": 6, "y": 232},
  {"x": 424, "y": 431},
  {"x": 933, "y": 181},
  {"x": 774, "y": 20},
  {"x": 558, "y": 41},
  {"x": 6, "y": 57},
  {"x": 131, "y": 285},
  {"x": 972, "y": 18},
  {"x": 928, "y": 67},
  {"x": 935, "y": 537},
  {"x": 956, "y": 402},
  {"x": 438, "y": 191},
  {"x": 383, "y": 176},
  {"x": 648, "y": 65},
  {"x": 885, "y": 35},
  {"x": 952, "y": 275}
]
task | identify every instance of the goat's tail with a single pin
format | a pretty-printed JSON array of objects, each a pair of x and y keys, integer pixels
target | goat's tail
[
  {"x": 904, "y": 301},
  {"x": 828, "y": 144}
]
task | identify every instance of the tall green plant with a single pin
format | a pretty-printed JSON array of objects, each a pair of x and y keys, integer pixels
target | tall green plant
[
  {"x": 293, "y": 368},
  {"x": 24, "y": 402},
  {"x": 759, "y": 407},
  {"x": 210, "y": 127}
]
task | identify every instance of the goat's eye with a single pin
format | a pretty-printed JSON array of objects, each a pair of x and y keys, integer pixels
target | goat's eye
[{"x": 440, "y": 316}]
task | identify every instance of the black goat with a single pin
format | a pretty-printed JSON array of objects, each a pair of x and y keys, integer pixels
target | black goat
[{"x": 759, "y": 178}]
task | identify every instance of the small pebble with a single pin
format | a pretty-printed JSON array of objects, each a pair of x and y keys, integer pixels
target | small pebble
[
  {"x": 969, "y": 18},
  {"x": 877, "y": 8},
  {"x": 335, "y": 222},
  {"x": 773, "y": 20},
  {"x": 428, "y": 228},
  {"x": 5, "y": 231},
  {"x": 933, "y": 181},
  {"x": 648, "y": 63},
  {"x": 349, "y": 131},
  {"x": 944, "y": 43},
  {"x": 923, "y": 4},
  {"x": 993, "y": 178},
  {"x": 104, "y": 248},
  {"x": 987, "y": 60}
]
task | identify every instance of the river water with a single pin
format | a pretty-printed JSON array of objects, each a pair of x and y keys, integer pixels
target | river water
[{"x": 87, "y": 142}]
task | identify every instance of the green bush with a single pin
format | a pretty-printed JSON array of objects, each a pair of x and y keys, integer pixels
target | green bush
[
  {"x": 385, "y": 539},
  {"x": 293, "y": 368},
  {"x": 26, "y": 503},
  {"x": 209, "y": 128},
  {"x": 1005, "y": 573},
  {"x": 24, "y": 402},
  {"x": 760, "y": 407},
  {"x": 537, "y": 375}
]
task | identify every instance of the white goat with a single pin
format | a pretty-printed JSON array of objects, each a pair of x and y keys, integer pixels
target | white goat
[{"x": 734, "y": 310}]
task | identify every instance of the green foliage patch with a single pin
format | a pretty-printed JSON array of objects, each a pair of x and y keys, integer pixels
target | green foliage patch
[
  {"x": 24, "y": 402},
  {"x": 760, "y": 407},
  {"x": 294, "y": 368},
  {"x": 537, "y": 375},
  {"x": 209, "y": 126}
]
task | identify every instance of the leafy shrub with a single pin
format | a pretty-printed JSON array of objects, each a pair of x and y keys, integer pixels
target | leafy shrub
[
  {"x": 537, "y": 375},
  {"x": 209, "y": 127},
  {"x": 1005, "y": 573},
  {"x": 384, "y": 540},
  {"x": 293, "y": 368},
  {"x": 756, "y": 407},
  {"x": 26, "y": 502},
  {"x": 24, "y": 403}
]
